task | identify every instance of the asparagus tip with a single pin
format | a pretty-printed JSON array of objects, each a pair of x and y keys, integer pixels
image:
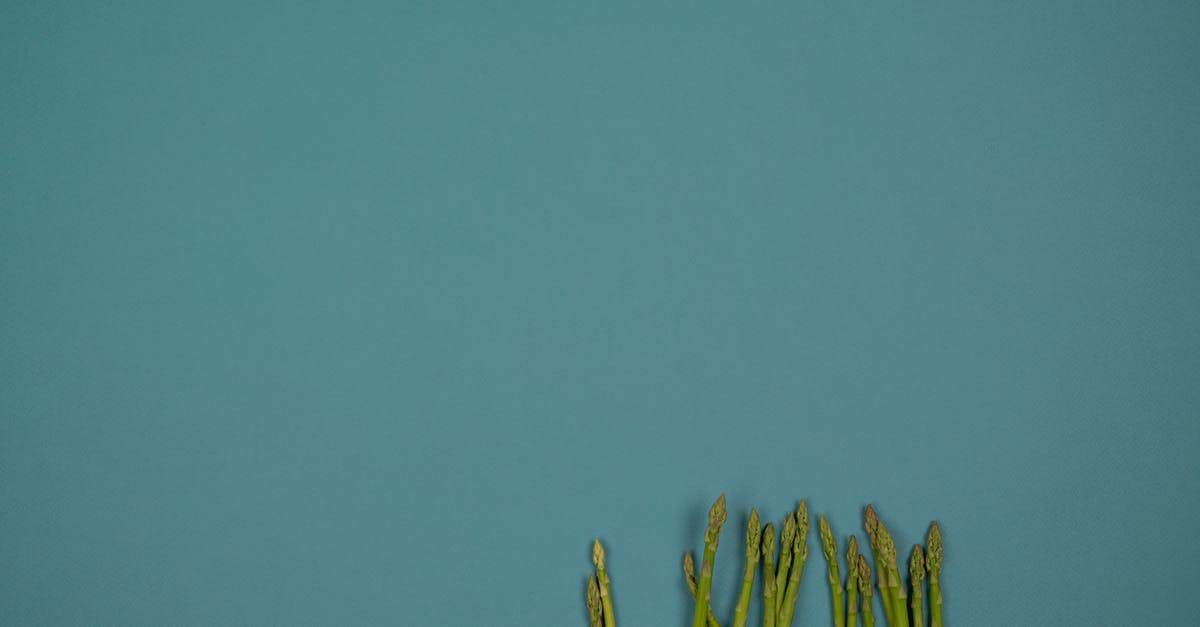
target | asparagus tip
[
  {"x": 864, "y": 578},
  {"x": 916, "y": 567},
  {"x": 828, "y": 542},
  {"x": 598, "y": 554},
  {"x": 933, "y": 558},
  {"x": 753, "y": 534}
]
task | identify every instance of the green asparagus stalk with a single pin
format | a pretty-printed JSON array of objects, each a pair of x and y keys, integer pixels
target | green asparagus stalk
[
  {"x": 753, "y": 552},
  {"x": 933, "y": 563},
  {"x": 716, "y": 518},
  {"x": 799, "y": 556},
  {"x": 896, "y": 585},
  {"x": 829, "y": 547},
  {"x": 916, "y": 578},
  {"x": 593, "y": 601},
  {"x": 787, "y": 537},
  {"x": 768, "y": 557},
  {"x": 864, "y": 588},
  {"x": 852, "y": 582},
  {"x": 689, "y": 575},
  {"x": 871, "y": 523},
  {"x": 610, "y": 619}
]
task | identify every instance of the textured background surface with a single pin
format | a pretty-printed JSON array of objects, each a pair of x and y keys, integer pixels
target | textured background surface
[{"x": 378, "y": 313}]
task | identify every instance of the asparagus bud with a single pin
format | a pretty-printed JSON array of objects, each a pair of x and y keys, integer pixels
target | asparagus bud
[
  {"x": 852, "y": 582},
  {"x": 829, "y": 547},
  {"x": 593, "y": 602},
  {"x": 787, "y": 537},
  {"x": 768, "y": 556},
  {"x": 753, "y": 551},
  {"x": 864, "y": 588},
  {"x": 799, "y": 556},
  {"x": 916, "y": 578},
  {"x": 716, "y": 518},
  {"x": 871, "y": 524},
  {"x": 933, "y": 563},
  {"x": 610, "y": 619}
]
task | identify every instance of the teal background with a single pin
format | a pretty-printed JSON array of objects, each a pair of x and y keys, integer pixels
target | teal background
[{"x": 377, "y": 313}]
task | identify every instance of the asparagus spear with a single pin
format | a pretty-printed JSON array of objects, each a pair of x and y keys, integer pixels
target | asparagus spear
[
  {"x": 716, "y": 518},
  {"x": 864, "y": 588},
  {"x": 871, "y": 523},
  {"x": 933, "y": 563},
  {"x": 787, "y": 537},
  {"x": 753, "y": 552},
  {"x": 852, "y": 582},
  {"x": 768, "y": 556},
  {"x": 899, "y": 597},
  {"x": 829, "y": 547},
  {"x": 593, "y": 601},
  {"x": 916, "y": 578},
  {"x": 799, "y": 556},
  {"x": 610, "y": 619},
  {"x": 689, "y": 574}
]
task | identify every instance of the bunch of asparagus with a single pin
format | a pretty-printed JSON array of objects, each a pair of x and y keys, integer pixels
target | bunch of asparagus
[{"x": 781, "y": 574}]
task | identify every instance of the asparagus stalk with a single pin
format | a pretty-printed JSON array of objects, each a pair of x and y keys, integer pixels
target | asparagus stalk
[
  {"x": 593, "y": 601},
  {"x": 933, "y": 563},
  {"x": 871, "y": 523},
  {"x": 610, "y": 619},
  {"x": 896, "y": 585},
  {"x": 753, "y": 552},
  {"x": 864, "y": 588},
  {"x": 852, "y": 582},
  {"x": 716, "y": 518},
  {"x": 829, "y": 547},
  {"x": 689, "y": 575},
  {"x": 916, "y": 578},
  {"x": 799, "y": 556},
  {"x": 768, "y": 557},
  {"x": 787, "y": 537}
]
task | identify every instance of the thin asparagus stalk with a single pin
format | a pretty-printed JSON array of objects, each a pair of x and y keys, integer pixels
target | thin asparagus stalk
[
  {"x": 871, "y": 523},
  {"x": 689, "y": 575},
  {"x": 768, "y": 557},
  {"x": 852, "y": 582},
  {"x": 787, "y": 537},
  {"x": 610, "y": 619},
  {"x": 916, "y": 578},
  {"x": 593, "y": 601},
  {"x": 753, "y": 552},
  {"x": 716, "y": 518},
  {"x": 864, "y": 588},
  {"x": 799, "y": 556},
  {"x": 829, "y": 547},
  {"x": 899, "y": 597},
  {"x": 933, "y": 562}
]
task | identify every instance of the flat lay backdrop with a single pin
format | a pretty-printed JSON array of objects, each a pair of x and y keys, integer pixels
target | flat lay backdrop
[{"x": 371, "y": 313}]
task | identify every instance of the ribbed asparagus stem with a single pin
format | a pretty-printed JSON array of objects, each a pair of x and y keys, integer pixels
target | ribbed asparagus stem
[
  {"x": 689, "y": 575},
  {"x": 899, "y": 598},
  {"x": 787, "y": 538},
  {"x": 799, "y": 557},
  {"x": 753, "y": 553},
  {"x": 610, "y": 619},
  {"x": 916, "y": 578},
  {"x": 933, "y": 563},
  {"x": 768, "y": 557},
  {"x": 871, "y": 524},
  {"x": 852, "y": 582},
  {"x": 716, "y": 518},
  {"x": 864, "y": 588},
  {"x": 593, "y": 602},
  {"x": 829, "y": 547}
]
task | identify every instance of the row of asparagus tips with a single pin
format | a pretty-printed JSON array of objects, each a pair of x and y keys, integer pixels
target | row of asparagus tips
[
  {"x": 897, "y": 605},
  {"x": 781, "y": 579}
]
